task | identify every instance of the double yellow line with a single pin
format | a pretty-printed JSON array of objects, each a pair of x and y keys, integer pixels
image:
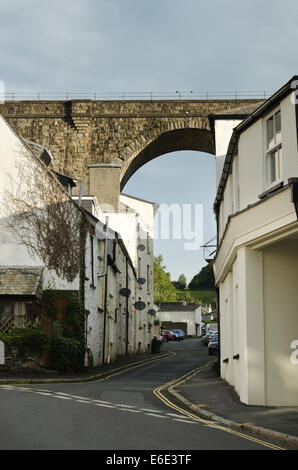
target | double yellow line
[
  {"x": 158, "y": 393},
  {"x": 135, "y": 366}
]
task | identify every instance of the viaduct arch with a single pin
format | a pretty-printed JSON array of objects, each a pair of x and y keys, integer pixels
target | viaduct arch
[{"x": 120, "y": 135}]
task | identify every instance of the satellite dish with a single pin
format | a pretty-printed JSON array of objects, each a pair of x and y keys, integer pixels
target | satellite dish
[
  {"x": 139, "y": 305},
  {"x": 141, "y": 247},
  {"x": 152, "y": 312},
  {"x": 141, "y": 281},
  {"x": 125, "y": 292}
]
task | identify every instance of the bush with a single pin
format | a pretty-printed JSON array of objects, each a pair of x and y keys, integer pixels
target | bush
[
  {"x": 66, "y": 354},
  {"x": 25, "y": 340}
]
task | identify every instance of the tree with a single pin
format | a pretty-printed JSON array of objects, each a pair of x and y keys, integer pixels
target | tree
[
  {"x": 164, "y": 291},
  {"x": 41, "y": 215},
  {"x": 203, "y": 280},
  {"x": 182, "y": 281}
]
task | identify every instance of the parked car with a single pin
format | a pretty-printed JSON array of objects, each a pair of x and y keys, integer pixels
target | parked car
[
  {"x": 179, "y": 333},
  {"x": 168, "y": 335},
  {"x": 206, "y": 337},
  {"x": 213, "y": 346}
]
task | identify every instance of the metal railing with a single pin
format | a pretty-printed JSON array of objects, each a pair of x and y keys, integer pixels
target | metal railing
[{"x": 134, "y": 95}]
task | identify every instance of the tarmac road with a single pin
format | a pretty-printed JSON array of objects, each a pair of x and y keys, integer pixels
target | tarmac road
[{"x": 121, "y": 412}]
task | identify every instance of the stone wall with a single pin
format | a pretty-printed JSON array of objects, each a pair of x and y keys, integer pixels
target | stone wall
[{"x": 130, "y": 133}]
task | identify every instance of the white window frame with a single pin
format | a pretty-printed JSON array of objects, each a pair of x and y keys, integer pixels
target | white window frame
[{"x": 274, "y": 147}]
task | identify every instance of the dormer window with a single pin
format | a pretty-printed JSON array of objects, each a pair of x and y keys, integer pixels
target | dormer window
[{"x": 273, "y": 149}]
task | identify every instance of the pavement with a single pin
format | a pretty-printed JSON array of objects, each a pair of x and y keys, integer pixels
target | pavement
[{"x": 213, "y": 398}]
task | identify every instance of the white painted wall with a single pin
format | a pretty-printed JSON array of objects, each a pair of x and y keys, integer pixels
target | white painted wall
[
  {"x": 182, "y": 317},
  {"x": 12, "y": 253},
  {"x": 281, "y": 320},
  {"x": 223, "y": 133}
]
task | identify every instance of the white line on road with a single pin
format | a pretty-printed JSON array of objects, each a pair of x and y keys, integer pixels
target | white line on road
[
  {"x": 62, "y": 398},
  {"x": 156, "y": 416},
  {"x": 125, "y": 406},
  {"x": 184, "y": 421},
  {"x": 127, "y": 409},
  {"x": 105, "y": 406},
  {"x": 151, "y": 411}
]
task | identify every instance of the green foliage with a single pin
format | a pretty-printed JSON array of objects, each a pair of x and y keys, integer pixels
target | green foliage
[
  {"x": 164, "y": 291},
  {"x": 66, "y": 354},
  {"x": 25, "y": 340},
  {"x": 49, "y": 303},
  {"x": 182, "y": 281},
  {"x": 203, "y": 280},
  {"x": 67, "y": 306},
  {"x": 186, "y": 296},
  {"x": 198, "y": 296},
  {"x": 73, "y": 323}
]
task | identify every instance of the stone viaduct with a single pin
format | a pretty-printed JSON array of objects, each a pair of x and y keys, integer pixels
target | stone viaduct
[{"x": 103, "y": 143}]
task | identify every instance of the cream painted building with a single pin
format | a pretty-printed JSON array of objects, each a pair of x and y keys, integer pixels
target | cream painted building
[
  {"x": 256, "y": 266},
  {"x": 180, "y": 315},
  {"x": 119, "y": 327}
]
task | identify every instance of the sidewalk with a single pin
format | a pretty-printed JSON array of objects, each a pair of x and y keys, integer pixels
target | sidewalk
[
  {"x": 48, "y": 376},
  {"x": 213, "y": 396}
]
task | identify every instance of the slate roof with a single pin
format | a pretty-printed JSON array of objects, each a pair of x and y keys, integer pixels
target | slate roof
[
  {"x": 177, "y": 307},
  {"x": 241, "y": 111},
  {"x": 20, "y": 281}
]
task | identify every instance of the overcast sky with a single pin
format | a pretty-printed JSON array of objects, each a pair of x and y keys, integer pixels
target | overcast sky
[{"x": 159, "y": 46}]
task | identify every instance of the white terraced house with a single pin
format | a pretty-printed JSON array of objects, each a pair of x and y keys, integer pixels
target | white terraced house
[{"x": 256, "y": 265}]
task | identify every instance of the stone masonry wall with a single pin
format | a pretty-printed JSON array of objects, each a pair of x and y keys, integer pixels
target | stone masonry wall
[{"x": 83, "y": 132}]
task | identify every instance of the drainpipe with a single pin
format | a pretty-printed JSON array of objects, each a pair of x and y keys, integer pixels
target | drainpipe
[
  {"x": 218, "y": 298},
  {"x": 104, "y": 320},
  {"x": 127, "y": 313},
  {"x": 105, "y": 275}
]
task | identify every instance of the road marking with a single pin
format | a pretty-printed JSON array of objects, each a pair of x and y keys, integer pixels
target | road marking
[
  {"x": 105, "y": 406},
  {"x": 101, "y": 401},
  {"x": 166, "y": 401},
  {"x": 131, "y": 411},
  {"x": 156, "y": 416},
  {"x": 62, "y": 398},
  {"x": 151, "y": 411},
  {"x": 85, "y": 401},
  {"x": 172, "y": 354},
  {"x": 61, "y": 395},
  {"x": 184, "y": 421},
  {"x": 125, "y": 406}
]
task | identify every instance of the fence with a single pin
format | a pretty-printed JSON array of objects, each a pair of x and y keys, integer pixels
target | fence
[{"x": 7, "y": 322}]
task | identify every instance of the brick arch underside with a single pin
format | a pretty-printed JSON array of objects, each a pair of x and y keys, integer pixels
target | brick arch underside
[{"x": 171, "y": 141}]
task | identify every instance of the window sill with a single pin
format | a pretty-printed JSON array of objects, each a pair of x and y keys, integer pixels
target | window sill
[{"x": 271, "y": 189}]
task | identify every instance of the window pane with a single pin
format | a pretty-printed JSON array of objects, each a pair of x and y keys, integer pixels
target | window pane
[
  {"x": 272, "y": 167},
  {"x": 278, "y": 122},
  {"x": 6, "y": 308},
  {"x": 270, "y": 131}
]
